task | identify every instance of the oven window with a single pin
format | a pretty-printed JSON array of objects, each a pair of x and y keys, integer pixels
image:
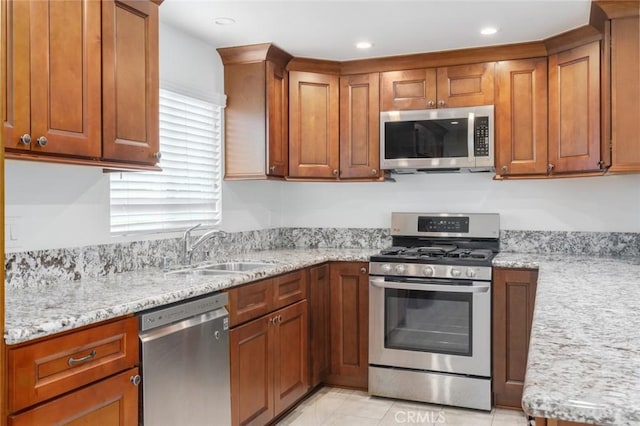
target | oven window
[
  {"x": 428, "y": 321},
  {"x": 426, "y": 139}
]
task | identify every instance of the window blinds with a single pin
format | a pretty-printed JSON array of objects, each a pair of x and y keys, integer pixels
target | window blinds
[{"x": 188, "y": 190}]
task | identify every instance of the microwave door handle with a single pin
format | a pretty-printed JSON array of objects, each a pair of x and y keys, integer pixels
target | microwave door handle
[
  {"x": 471, "y": 134},
  {"x": 475, "y": 288}
]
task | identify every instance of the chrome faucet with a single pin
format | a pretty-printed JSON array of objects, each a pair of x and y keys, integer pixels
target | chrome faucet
[{"x": 188, "y": 248}]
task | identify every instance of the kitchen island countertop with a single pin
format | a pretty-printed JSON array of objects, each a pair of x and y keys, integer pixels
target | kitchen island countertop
[{"x": 584, "y": 352}]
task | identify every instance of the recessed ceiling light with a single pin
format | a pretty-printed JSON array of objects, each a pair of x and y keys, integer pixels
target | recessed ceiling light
[
  {"x": 363, "y": 45},
  {"x": 488, "y": 30},
  {"x": 225, "y": 21}
]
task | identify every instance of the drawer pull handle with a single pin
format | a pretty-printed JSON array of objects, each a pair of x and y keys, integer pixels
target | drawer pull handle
[{"x": 74, "y": 361}]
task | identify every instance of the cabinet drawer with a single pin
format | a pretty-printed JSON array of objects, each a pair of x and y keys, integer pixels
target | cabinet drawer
[
  {"x": 289, "y": 288},
  {"x": 113, "y": 401},
  {"x": 250, "y": 301},
  {"x": 49, "y": 368}
]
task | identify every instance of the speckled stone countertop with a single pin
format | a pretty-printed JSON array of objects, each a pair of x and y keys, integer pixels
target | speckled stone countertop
[
  {"x": 42, "y": 310},
  {"x": 584, "y": 352}
]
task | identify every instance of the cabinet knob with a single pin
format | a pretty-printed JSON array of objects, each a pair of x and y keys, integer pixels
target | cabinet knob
[
  {"x": 25, "y": 139},
  {"x": 135, "y": 380},
  {"x": 335, "y": 172},
  {"x": 374, "y": 172},
  {"x": 157, "y": 155},
  {"x": 431, "y": 104},
  {"x": 505, "y": 169},
  {"x": 363, "y": 270},
  {"x": 279, "y": 318},
  {"x": 42, "y": 141},
  {"x": 272, "y": 169},
  {"x": 549, "y": 167},
  {"x": 440, "y": 103}
]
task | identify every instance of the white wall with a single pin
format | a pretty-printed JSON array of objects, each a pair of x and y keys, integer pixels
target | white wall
[{"x": 610, "y": 203}]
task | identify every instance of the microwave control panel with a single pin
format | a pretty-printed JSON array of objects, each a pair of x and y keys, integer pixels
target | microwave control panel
[{"x": 481, "y": 137}]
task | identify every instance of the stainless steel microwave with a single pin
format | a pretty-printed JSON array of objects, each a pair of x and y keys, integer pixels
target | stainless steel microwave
[{"x": 436, "y": 139}]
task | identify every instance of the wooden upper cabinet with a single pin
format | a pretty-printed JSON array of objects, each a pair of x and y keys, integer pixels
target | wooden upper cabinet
[
  {"x": 625, "y": 94},
  {"x": 465, "y": 85},
  {"x": 359, "y": 126},
  {"x": 410, "y": 89},
  {"x": 277, "y": 120},
  {"x": 53, "y": 77},
  {"x": 521, "y": 117},
  {"x": 313, "y": 125},
  {"x": 130, "y": 81},
  {"x": 574, "y": 109},
  {"x": 257, "y": 113},
  {"x": 445, "y": 87}
]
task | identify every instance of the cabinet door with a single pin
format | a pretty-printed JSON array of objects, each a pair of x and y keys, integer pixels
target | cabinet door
[
  {"x": 130, "y": 80},
  {"x": 319, "y": 325},
  {"x": 465, "y": 85},
  {"x": 110, "y": 402},
  {"x": 359, "y": 126},
  {"x": 521, "y": 117},
  {"x": 314, "y": 132},
  {"x": 64, "y": 74},
  {"x": 290, "y": 355},
  {"x": 625, "y": 93},
  {"x": 250, "y": 348},
  {"x": 514, "y": 293},
  {"x": 411, "y": 89},
  {"x": 349, "y": 324},
  {"x": 16, "y": 73},
  {"x": 277, "y": 120},
  {"x": 574, "y": 109}
]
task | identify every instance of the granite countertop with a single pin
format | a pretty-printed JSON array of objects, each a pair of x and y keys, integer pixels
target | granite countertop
[
  {"x": 584, "y": 352},
  {"x": 42, "y": 310}
]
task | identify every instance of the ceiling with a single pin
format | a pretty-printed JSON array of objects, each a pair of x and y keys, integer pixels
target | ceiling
[{"x": 329, "y": 29}]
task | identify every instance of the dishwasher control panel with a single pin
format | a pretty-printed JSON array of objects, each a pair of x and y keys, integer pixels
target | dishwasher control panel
[{"x": 181, "y": 311}]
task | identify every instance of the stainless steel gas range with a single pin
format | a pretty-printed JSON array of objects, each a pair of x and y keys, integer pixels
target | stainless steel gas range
[{"x": 430, "y": 309}]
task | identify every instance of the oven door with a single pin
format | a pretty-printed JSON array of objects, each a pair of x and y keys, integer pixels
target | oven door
[{"x": 430, "y": 324}]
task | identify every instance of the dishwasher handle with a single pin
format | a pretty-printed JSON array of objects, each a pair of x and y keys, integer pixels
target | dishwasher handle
[
  {"x": 181, "y": 311},
  {"x": 195, "y": 321}
]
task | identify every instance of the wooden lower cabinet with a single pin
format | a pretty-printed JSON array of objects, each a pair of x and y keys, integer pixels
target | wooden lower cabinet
[
  {"x": 514, "y": 292},
  {"x": 319, "y": 324},
  {"x": 110, "y": 402},
  {"x": 349, "y": 324},
  {"x": 269, "y": 364}
]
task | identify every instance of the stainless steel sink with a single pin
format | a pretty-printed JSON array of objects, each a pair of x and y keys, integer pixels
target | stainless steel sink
[
  {"x": 226, "y": 268},
  {"x": 235, "y": 266}
]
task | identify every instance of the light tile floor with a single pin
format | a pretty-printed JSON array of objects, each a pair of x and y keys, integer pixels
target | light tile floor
[{"x": 343, "y": 407}]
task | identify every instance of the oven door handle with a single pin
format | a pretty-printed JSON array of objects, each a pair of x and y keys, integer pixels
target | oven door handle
[{"x": 474, "y": 288}]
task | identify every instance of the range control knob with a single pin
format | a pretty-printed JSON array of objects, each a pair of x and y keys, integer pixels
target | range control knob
[
  {"x": 455, "y": 272},
  {"x": 471, "y": 273},
  {"x": 386, "y": 268},
  {"x": 428, "y": 271},
  {"x": 400, "y": 269}
]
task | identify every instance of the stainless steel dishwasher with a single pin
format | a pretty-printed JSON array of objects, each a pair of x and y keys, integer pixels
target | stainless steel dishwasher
[{"x": 185, "y": 364}]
